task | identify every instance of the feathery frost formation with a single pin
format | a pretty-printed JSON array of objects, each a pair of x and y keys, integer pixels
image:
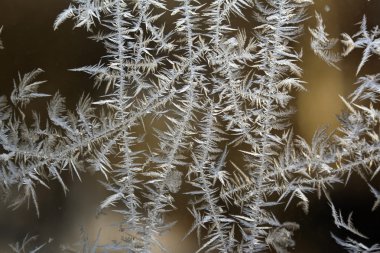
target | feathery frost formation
[{"x": 199, "y": 86}]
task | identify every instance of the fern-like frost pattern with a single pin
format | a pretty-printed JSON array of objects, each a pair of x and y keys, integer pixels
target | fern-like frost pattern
[{"x": 199, "y": 86}]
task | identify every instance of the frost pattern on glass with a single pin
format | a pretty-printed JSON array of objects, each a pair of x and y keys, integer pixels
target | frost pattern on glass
[{"x": 199, "y": 86}]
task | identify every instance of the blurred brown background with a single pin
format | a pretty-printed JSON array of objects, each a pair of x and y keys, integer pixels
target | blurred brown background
[{"x": 30, "y": 43}]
